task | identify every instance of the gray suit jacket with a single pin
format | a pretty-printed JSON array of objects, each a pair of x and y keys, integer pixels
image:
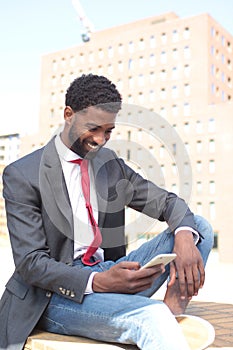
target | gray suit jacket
[{"x": 40, "y": 224}]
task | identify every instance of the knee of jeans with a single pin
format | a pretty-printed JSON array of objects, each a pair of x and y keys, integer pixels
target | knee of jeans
[{"x": 204, "y": 228}]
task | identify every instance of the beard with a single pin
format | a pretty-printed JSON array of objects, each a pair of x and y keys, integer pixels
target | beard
[{"x": 78, "y": 146}]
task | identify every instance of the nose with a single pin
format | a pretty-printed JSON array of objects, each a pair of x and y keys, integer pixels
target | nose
[{"x": 100, "y": 138}]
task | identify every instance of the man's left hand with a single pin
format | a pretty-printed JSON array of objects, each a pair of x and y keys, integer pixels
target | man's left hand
[{"x": 188, "y": 266}]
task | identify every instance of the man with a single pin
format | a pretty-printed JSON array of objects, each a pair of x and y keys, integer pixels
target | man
[{"x": 71, "y": 278}]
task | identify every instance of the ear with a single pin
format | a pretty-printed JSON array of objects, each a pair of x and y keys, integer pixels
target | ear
[{"x": 68, "y": 114}]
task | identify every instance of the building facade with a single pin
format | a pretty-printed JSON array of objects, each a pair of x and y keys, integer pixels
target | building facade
[{"x": 175, "y": 77}]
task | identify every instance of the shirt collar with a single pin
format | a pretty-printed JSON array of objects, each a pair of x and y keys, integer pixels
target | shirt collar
[{"x": 63, "y": 151}]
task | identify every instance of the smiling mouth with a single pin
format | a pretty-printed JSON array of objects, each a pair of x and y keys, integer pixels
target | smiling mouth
[{"x": 92, "y": 146}]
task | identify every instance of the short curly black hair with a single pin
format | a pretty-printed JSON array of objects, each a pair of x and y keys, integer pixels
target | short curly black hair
[{"x": 93, "y": 90}]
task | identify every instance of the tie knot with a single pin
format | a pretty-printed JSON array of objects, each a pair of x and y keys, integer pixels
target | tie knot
[{"x": 77, "y": 161}]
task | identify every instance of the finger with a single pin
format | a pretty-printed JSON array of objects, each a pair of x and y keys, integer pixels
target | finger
[
  {"x": 182, "y": 284},
  {"x": 196, "y": 280},
  {"x": 130, "y": 265},
  {"x": 172, "y": 274},
  {"x": 202, "y": 274},
  {"x": 189, "y": 283}
]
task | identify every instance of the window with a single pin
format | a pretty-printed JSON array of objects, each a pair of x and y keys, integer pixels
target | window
[
  {"x": 211, "y": 166},
  {"x": 91, "y": 57},
  {"x": 211, "y": 146},
  {"x": 199, "y": 127},
  {"x": 199, "y": 166},
  {"x": 174, "y": 169},
  {"x": 110, "y": 51},
  {"x": 163, "y": 74},
  {"x": 163, "y": 112},
  {"x": 175, "y": 36},
  {"x": 164, "y": 38},
  {"x": 163, "y": 57},
  {"x": 163, "y": 94},
  {"x": 212, "y": 210},
  {"x": 131, "y": 81},
  {"x": 152, "y": 77},
  {"x": 152, "y": 95},
  {"x": 187, "y": 90},
  {"x": 152, "y": 41},
  {"x": 54, "y": 65},
  {"x": 187, "y": 147},
  {"x": 101, "y": 53},
  {"x": 187, "y": 53},
  {"x": 161, "y": 151},
  {"x": 63, "y": 62},
  {"x": 81, "y": 57},
  {"x": 175, "y": 54},
  {"x": 186, "y": 34},
  {"x": 72, "y": 61},
  {"x": 211, "y": 126},
  {"x": 199, "y": 208},
  {"x": 140, "y": 80},
  {"x": 212, "y": 31},
  {"x": 175, "y": 110},
  {"x": 120, "y": 66},
  {"x": 222, "y": 58},
  {"x": 174, "y": 149},
  {"x": 186, "y": 109},
  {"x": 120, "y": 49},
  {"x": 152, "y": 59},
  {"x": 212, "y": 187},
  {"x": 110, "y": 69},
  {"x": 187, "y": 70},
  {"x": 199, "y": 186},
  {"x": 54, "y": 80},
  {"x": 199, "y": 146},
  {"x": 174, "y": 73},
  {"x": 130, "y": 64},
  {"x": 223, "y": 96},
  {"x": 141, "y": 61},
  {"x": 174, "y": 91},
  {"x": 141, "y": 44},
  {"x": 174, "y": 188},
  {"x": 186, "y": 127},
  {"x": 131, "y": 46}
]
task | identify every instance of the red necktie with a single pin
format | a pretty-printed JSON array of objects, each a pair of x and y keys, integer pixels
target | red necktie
[{"x": 85, "y": 181}]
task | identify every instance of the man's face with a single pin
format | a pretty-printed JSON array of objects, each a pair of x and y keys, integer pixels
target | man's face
[{"x": 89, "y": 130}]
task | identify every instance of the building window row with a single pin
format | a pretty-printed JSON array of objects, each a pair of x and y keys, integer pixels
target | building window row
[
  {"x": 221, "y": 57},
  {"x": 220, "y": 37}
]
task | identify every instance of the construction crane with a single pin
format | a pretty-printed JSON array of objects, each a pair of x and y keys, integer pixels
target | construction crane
[{"x": 88, "y": 27}]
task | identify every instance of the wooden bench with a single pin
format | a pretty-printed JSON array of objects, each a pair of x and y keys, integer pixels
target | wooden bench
[{"x": 40, "y": 340}]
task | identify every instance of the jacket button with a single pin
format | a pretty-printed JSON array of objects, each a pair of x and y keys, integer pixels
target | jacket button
[
  {"x": 62, "y": 290},
  {"x": 72, "y": 294},
  {"x": 48, "y": 294}
]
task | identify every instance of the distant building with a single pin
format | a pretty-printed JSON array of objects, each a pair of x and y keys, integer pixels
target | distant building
[
  {"x": 181, "y": 69},
  {"x": 9, "y": 151}
]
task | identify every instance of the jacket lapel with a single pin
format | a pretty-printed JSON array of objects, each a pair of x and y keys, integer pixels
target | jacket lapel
[{"x": 54, "y": 190}]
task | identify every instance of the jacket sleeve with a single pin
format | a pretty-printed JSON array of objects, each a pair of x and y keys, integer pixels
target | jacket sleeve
[
  {"x": 146, "y": 197},
  {"x": 31, "y": 246}
]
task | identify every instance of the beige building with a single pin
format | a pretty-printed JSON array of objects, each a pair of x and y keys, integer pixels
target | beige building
[{"x": 175, "y": 76}]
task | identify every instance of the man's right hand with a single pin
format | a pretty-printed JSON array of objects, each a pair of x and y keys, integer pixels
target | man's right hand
[{"x": 126, "y": 277}]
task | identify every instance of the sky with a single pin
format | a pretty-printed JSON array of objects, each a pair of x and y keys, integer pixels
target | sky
[{"x": 32, "y": 28}]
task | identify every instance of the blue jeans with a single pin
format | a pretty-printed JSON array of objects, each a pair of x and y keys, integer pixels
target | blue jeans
[{"x": 125, "y": 318}]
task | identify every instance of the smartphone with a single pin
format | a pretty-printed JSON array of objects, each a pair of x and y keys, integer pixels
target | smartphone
[{"x": 160, "y": 259}]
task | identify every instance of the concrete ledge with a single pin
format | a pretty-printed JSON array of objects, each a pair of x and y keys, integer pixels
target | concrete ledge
[{"x": 40, "y": 340}]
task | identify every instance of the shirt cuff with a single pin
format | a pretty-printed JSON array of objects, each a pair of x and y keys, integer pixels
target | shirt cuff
[
  {"x": 187, "y": 228},
  {"x": 89, "y": 289}
]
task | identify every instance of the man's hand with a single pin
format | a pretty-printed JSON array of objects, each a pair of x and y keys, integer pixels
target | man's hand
[
  {"x": 188, "y": 266},
  {"x": 126, "y": 277}
]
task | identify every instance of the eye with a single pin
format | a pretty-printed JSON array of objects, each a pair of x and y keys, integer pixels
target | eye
[{"x": 93, "y": 129}]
